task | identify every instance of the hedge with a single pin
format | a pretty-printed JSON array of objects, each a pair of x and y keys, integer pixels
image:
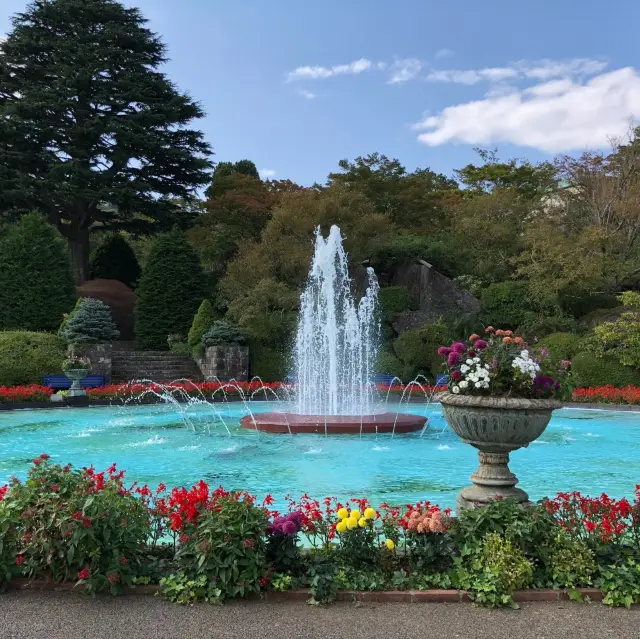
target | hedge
[
  {"x": 590, "y": 370},
  {"x": 25, "y": 357}
]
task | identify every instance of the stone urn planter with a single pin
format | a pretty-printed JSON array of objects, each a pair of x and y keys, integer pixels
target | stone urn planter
[
  {"x": 495, "y": 426},
  {"x": 75, "y": 375}
]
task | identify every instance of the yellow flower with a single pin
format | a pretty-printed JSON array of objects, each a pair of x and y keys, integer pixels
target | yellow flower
[
  {"x": 362, "y": 522},
  {"x": 355, "y": 514},
  {"x": 343, "y": 513},
  {"x": 351, "y": 523},
  {"x": 369, "y": 513},
  {"x": 341, "y": 527},
  {"x": 390, "y": 544}
]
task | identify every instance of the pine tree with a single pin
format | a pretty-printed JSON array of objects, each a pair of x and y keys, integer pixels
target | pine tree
[
  {"x": 171, "y": 287},
  {"x": 36, "y": 285},
  {"x": 93, "y": 134},
  {"x": 90, "y": 323},
  {"x": 202, "y": 322},
  {"x": 114, "y": 259}
]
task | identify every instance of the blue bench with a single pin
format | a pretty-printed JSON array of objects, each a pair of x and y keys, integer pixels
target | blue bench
[
  {"x": 383, "y": 380},
  {"x": 62, "y": 382},
  {"x": 442, "y": 379}
]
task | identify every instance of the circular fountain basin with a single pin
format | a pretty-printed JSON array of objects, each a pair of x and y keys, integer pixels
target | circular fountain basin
[{"x": 334, "y": 424}]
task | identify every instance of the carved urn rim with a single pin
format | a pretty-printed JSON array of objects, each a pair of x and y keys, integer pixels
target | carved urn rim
[{"x": 506, "y": 403}]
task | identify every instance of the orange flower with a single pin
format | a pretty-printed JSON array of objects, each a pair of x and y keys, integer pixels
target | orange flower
[
  {"x": 500, "y": 333},
  {"x": 507, "y": 340},
  {"x": 474, "y": 337},
  {"x": 518, "y": 340},
  {"x": 509, "y": 333}
]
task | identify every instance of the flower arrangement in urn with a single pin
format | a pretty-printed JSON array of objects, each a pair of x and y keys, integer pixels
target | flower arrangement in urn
[
  {"x": 501, "y": 394},
  {"x": 76, "y": 368},
  {"x": 501, "y": 364}
]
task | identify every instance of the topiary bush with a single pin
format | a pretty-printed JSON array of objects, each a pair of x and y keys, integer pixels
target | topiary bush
[
  {"x": 202, "y": 322},
  {"x": 170, "y": 290},
  {"x": 36, "y": 282},
  {"x": 25, "y": 357},
  {"x": 89, "y": 323},
  {"x": 562, "y": 346},
  {"x": 114, "y": 259},
  {"x": 507, "y": 304},
  {"x": 222, "y": 333},
  {"x": 590, "y": 370}
]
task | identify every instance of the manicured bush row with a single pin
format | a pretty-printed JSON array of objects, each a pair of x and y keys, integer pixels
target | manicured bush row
[{"x": 64, "y": 524}]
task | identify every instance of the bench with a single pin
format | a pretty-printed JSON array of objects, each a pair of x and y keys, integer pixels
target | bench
[
  {"x": 442, "y": 379},
  {"x": 62, "y": 382},
  {"x": 383, "y": 380}
]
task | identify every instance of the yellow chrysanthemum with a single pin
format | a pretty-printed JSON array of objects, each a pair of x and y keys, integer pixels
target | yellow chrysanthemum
[
  {"x": 390, "y": 544},
  {"x": 343, "y": 513},
  {"x": 355, "y": 514},
  {"x": 362, "y": 522},
  {"x": 351, "y": 523},
  {"x": 341, "y": 527},
  {"x": 369, "y": 513}
]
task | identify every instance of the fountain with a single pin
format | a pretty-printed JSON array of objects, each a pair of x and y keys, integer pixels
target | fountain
[{"x": 335, "y": 355}]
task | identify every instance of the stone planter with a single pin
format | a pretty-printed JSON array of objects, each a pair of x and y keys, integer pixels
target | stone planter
[
  {"x": 75, "y": 375},
  {"x": 495, "y": 426}
]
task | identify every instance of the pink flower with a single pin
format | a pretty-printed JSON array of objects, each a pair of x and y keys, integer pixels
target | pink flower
[
  {"x": 456, "y": 375},
  {"x": 453, "y": 359},
  {"x": 443, "y": 351},
  {"x": 489, "y": 329},
  {"x": 480, "y": 345},
  {"x": 459, "y": 347}
]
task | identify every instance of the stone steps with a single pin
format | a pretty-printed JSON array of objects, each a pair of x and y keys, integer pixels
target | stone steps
[{"x": 159, "y": 366}]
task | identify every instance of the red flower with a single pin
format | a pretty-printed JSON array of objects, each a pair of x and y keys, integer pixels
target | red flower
[
  {"x": 86, "y": 522},
  {"x": 77, "y": 516},
  {"x": 113, "y": 577},
  {"x": 84, "y": 574},
  {"x": 123, "y": 561},
  {"x": 45, "y": 456},
  {"x": 19, "y": 560},
  {"x": 54, "y": 488}
]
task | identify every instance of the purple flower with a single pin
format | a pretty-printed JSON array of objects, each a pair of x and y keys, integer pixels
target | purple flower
[
  {"x": 459, "y": 347},
  {"x": 453, "y": 359},
  {"x": 456, "y": 375},
  {"x": 480, "y": 345},
  {"x": 289, "y": 528},
  {"x": 443, "y": 351},
  {"x": 544, "y": 352}
]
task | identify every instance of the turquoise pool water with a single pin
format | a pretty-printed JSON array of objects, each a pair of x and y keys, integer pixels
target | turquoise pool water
[{"x": 587, "y": 450}]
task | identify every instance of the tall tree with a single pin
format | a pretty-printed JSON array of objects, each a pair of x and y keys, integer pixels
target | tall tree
[
  {"x": 114, "y": 259},
  {"x": 225, "y": 170},
  {"x": 91, "y": 132}
]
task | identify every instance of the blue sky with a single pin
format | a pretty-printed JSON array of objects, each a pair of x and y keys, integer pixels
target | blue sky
[{"x": 295, "y": 86}]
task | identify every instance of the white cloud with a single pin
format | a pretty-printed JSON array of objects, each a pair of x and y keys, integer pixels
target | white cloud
[
  {"x": 307, "y": 95},
  {"x": 404, "y": 70},
  {"x": 317, "y": 72},
  {"x": 443, "y": 53},
  {"x": 265, "y": 174},
  {"x": 556, "y": 116},
  {"x": 540, "y": 70}
]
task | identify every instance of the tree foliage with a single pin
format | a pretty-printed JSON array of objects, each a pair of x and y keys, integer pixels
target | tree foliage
[
  {"x": 93, "y": 133},
  {"x": 114, "y": 259},
  {"x": 171, "y": 288},
  {"x": 36, "y": 284},
  {"x": 202, "y": 322}
]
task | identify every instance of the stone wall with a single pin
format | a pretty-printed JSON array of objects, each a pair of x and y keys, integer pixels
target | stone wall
[
  {"x": 226, "y": 362},
  {"x": 100, "y": 356}
]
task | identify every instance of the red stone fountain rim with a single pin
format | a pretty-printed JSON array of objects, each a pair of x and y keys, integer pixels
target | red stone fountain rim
[{"x": 334, "y": 424}]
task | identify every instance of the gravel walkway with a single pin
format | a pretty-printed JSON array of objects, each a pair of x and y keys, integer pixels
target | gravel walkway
[{"x": 69, "y": 616}]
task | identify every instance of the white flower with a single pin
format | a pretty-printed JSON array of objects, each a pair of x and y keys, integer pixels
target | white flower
[
  {"x": 456, "y": 389},
  {"x": 473, "y": 378},
  {"x": 524, "y": 354},
  {"x": 478, "y": 384},
  {"x": 485, "y": 384},
  {"x": 476, "y": 360},
  {"x": 464, "y": 368},
  {"x": 469, "y": 362},
  {"x": 464, "y": 384}
]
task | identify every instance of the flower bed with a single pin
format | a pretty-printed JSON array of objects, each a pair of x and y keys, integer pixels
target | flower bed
[
  {"x": 64, "y": 524},
  {"x": 23, "y": 394},
  {"x": 608, "y": 395}
]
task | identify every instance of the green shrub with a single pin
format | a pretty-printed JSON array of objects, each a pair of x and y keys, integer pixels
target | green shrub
[
  {"x": 418, "y": 349},
  {"x": 562, "y": 346},
  {"x": 222, "y": 333},
  {"x": 590, "y": 370},
  {"x": 540, "y": 326},
  {"x": 170, "y": 290},
  {"x": 620, "y": 339},
  {"x": 36, "y": 283},
  {"x": 73, "y": 529},
  {"x": 507, "y": 305},
  {"x": 114, "y": 259},
  {"x": 389, "y": 364},
  {"x": 395, "y": 300},
  {"x": 202, "y": 322},
  {"x": 25, "y": 357},
  {"x": 89, "y": 323},
  {"x": 573, "y": 563},
  {"x": 268, "y": 363},
  {"x": 620, "y": 584}
]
